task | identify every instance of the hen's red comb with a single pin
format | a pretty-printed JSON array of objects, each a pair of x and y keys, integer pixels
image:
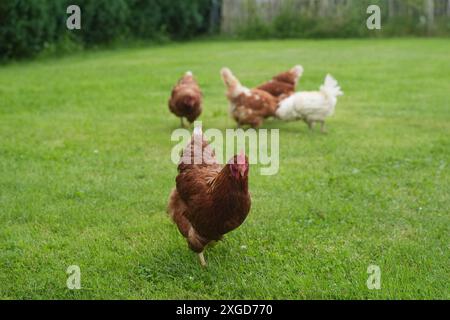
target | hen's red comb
[{"x": 241, "y": 157}]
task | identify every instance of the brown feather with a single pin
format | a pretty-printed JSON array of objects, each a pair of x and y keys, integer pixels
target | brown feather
[
  {"x": 253, "y": 108},
  {"x": 186, "y": 98},
  {"x": 208, "y": 201},
  {"x": 248, "y": 107},
  {"x": 282, "y": 85}
]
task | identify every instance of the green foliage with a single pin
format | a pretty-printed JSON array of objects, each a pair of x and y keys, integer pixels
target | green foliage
[
  {"x": 403, "y": 26},
  {"x": 194, "y": 19},
  {"x": 289, "y": 23},
  {"x": 255, "y": 29},
  {"x": 348, "y": 22},
  {"x": 29, "y": 27},
  {"x": 103, "y": 20},
  {"x": 147, "y": 18},
  {"x": 25, "y": 27}
]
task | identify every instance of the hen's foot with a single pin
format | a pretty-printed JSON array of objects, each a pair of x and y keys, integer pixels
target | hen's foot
[{"x": 201, "y": 257}]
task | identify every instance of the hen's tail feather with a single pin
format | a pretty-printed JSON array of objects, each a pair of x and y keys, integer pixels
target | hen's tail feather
[
  {"x": 297, "y": 71},
  {"x": 331, "y": 87},
  {"x": 232, "y": 83},
  {"x": 227, "y": 76},
  {"x": 176, "y": 210}
]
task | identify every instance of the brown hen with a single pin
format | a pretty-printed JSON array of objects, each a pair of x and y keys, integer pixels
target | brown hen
[
  {"x": 186, "y": 99},
  {"x": 284, "y": 84},
  {"x": 209, "y": 200},
  {"x": 248, "y": 106}
]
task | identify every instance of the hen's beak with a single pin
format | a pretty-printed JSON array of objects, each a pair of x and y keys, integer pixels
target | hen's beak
[{"x": 242, "y": 171}]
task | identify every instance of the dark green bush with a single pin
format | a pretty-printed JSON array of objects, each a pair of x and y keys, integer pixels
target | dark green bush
[
  {"x": 146, "y": 18},
  {"x": 194, "y": 19},
  {"x": 103, "y": 20},
  {"x": 28, "y": 27}
]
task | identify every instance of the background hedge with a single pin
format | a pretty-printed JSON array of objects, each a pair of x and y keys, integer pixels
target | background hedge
[
  {"x": 348, "y": 21},
  {"x": 28, "y": 27}
]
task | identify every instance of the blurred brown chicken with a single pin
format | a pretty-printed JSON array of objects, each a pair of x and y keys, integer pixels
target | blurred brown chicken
[
  {"x": 186, "y": 99},
  {"x": 209, "y": 200},
  {"x": 248, "y": 106},
  {"x": 284, "y": 84}
]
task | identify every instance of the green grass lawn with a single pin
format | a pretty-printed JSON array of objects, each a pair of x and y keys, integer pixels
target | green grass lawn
[{"x": 85, "y": 174}]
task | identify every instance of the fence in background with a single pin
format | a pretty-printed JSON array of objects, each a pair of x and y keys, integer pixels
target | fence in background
[{"x": 236, "y": 13}]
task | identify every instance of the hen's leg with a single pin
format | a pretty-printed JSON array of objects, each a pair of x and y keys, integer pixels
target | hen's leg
[
  {"x": 197, "y": 243},
  {"x": 310, "y": 124},
  {"x": 182, "y": 123},
  {"x": 201, "y": 257}
]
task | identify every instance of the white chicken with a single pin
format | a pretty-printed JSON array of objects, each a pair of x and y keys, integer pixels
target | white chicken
[{"x": 311, "y": 106}]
